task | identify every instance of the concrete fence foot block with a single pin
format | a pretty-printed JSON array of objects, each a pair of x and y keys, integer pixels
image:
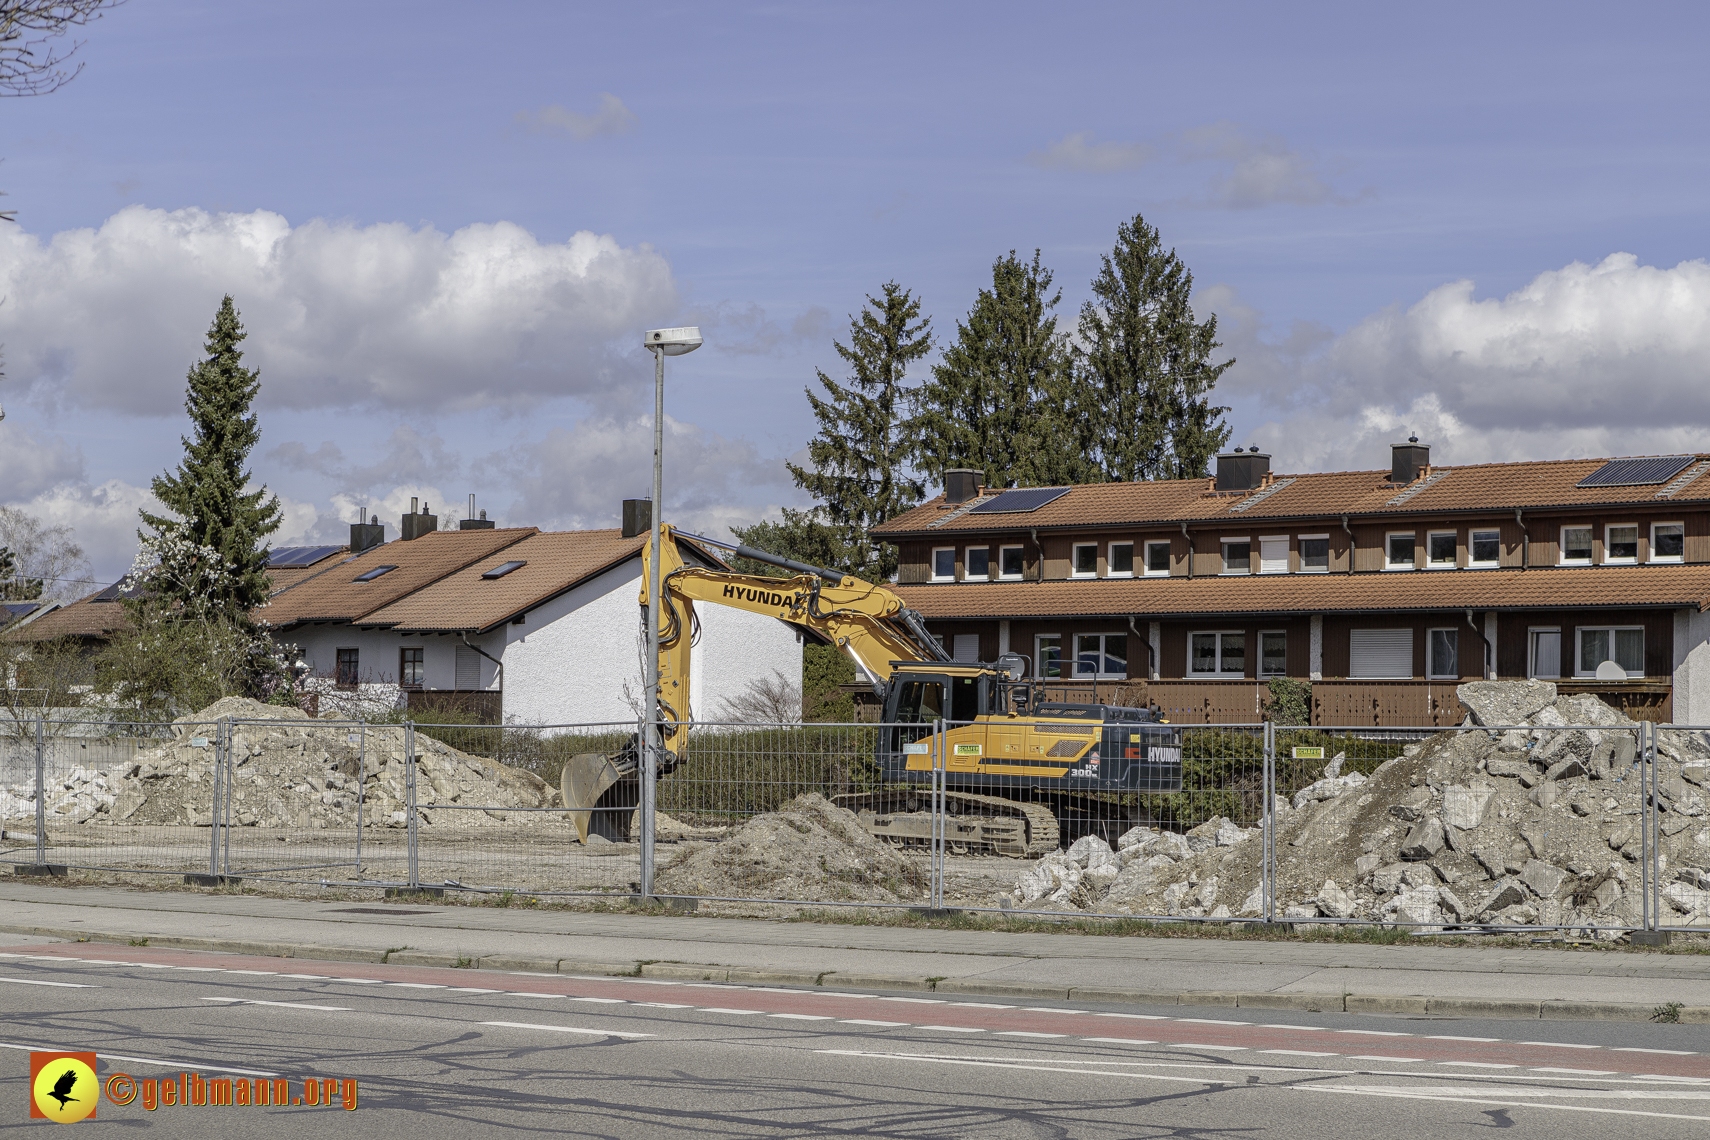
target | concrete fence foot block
[
  {"x": 212, "y": 880},
  {"x": 1649, "y": 937},
  {"x": 413, "y": 892},
  {"x": 43, "y": 870},
  {"x": 1385, "y": 1003}
]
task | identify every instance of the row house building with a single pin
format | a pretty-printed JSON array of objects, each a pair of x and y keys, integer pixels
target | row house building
[{"x": 1383, "y": 588}]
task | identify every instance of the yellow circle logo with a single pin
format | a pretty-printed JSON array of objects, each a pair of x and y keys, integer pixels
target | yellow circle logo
[{"x": 66, "y": 1090}]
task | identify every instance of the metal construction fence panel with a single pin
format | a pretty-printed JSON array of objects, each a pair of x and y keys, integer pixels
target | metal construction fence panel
[{"x": 1587, "y": 828}]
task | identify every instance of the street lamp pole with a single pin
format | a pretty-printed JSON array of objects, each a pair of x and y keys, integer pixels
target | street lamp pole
[{"x": 662, "y": 343}]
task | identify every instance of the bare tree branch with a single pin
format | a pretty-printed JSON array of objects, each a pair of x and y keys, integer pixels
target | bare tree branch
[{"x": 30, "y": 62}]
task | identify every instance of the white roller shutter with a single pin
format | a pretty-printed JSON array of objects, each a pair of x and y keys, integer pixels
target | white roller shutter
[
  {"x": 1273, "y": 555},
  {"x": 468, "y": 669},
  {"x": 967, "y": 647},
  {"x": 1380, "y": 653}
]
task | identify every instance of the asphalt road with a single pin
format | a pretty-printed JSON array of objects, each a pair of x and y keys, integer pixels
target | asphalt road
[{"x": 465, "y": 1053}]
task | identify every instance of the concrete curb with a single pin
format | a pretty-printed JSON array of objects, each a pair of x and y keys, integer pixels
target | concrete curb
[{"x": 1412, "y": 1005}]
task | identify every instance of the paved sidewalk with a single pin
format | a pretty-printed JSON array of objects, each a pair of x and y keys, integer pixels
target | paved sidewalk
[{"x": 1408, "y": 978}]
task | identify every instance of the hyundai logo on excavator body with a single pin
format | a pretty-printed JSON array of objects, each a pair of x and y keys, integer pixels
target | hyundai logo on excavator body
[{"x": 765, "y": 598}]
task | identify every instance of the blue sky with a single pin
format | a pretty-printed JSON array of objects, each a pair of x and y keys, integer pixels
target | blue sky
[{"x": 1405, "y": 219}]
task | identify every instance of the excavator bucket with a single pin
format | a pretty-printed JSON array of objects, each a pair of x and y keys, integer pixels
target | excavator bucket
[{"x": 585, "y": 780}]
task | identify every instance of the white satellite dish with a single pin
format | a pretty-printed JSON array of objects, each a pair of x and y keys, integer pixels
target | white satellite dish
[{"x": 1610, "y": 671}]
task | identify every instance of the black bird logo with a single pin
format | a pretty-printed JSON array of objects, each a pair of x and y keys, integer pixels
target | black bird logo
[{"x": 63, "y": 1086}]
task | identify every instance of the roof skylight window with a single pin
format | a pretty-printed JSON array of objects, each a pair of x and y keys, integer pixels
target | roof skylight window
[
  {"x": 502, "y": 569},
  {"x": 374, "y": 573}
]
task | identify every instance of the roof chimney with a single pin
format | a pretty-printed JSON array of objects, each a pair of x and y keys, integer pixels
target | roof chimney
[
  {"x": 415, "y": 525},
  {"x": 962, "y": 484},
  {"x": 637, "y": 517},
  {"x": 1408, "y": 460},
  {"x": 365, "y": 535},
  {"x": 470, "y": 522},
  {"x": 1242, "y": 470}
]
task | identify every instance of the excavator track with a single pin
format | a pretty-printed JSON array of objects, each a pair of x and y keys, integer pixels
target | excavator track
[{"x": 974, "y": 823}]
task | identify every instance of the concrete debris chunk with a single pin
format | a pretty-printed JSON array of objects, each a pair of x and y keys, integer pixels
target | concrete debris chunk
[
  {"x": 1505, "y": 703},
  {"x": 1546, "y": 880},
  {"x": 1507, "y": 893},
  {"x": 1334, "y": 768},
  {"x": 1334, "y": 902},
  {"x": 1327, "y": 789},
  {"x": 1423, "y": 840},
  {"x": 1465, "y": 807},
  {"x": 1509, "y": 769},
  {"x": 1566, "y": 769}
]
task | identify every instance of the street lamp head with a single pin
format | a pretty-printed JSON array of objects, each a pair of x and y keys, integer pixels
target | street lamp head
[{"x": 673, "y": 342}]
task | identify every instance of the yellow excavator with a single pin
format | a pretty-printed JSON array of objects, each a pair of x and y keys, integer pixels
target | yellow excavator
[{"x": 1022, "y": 773}]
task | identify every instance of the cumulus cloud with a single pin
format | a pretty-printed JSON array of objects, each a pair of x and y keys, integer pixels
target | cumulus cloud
[
  {"x": 1261, "y": 170},
  {"x": 1079, "y": 152},
  {"x": 611, "y": 117},
  {"x": 338, "y": 315},
  {"x": 1586, "y": 360},
  {"x": 578, "y": 477},
  {"x": 103, "y": 517}
]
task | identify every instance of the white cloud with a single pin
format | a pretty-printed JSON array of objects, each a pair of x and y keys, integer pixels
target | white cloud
[
  {"x": 1261, "y": 170},
  {"x": 611, "y": 117},
  {"x": 410, "y": 453},
  {"x": 1586, "y": 360},
  {"x": 1079, "y": 152},
  {"x": 579, "y": 477},
  {"x": 32, "y": 462},
  {"x": 103, "y": 518},
  {"x": 338, "y": 315}
]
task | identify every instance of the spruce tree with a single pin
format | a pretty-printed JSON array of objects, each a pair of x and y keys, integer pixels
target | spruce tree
[
  {"x": 207, "y": 491},
  {"x": 996, "y": 401},
  {"x": 1144, "y": 372},
  {"x": 857, "y": 462}
]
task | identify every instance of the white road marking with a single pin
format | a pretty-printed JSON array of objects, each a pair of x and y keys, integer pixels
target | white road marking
[
  {"x": 1463, "y": 1038},
  {"x": 1668, "y": 1052},
  {"x": 1043, "y": 1009},
  {"x": 751, "y": 1012},
  {"x": 1402, "y": 1060},
  {"x": 597, "y": 1001},
  {"x": 885, "y": 1024},
  {"x": 918, "y": 1001},
  {"x": 1575, "y": 1072},
  {"x": 1120, "y": 1040},
  {"x": 41, "y": 982},
  {"x": 282, "y": 1004},
  {"x": 526, "y": 993},
  {"x": 1484, "y": 1096},
  {"x": 1560, "y": 1044},
  {"x": 417, "y": 986},
  {"x": 802, "y": 1016},
  {"x": 1673, "y": 1080},
  {"x": 985, "y": 1005},
  {"x": 1477, "y": 1065},
  {"x": 257, "y": 973},
  {"x": 473, "y": 990},
  {"x": 376, "y": 982},
  {"x": 1308, "y": 1028},
  {"x": 564, "y": 1029},
  {"x": 985, "y": 1064},
  {"x": 1297, "y": 1053},
  {"x": 663, "y": 1005},
  {"x": 142, "y": 1060},
  {"x": 949, "y": 1029},
  {"x": 1209, "y": 1021},
  {"x": 1025, "y": 1033},
  {"x": 1191, "y": 1045},
  {"x": 1136, "y": 1016},
  {"x": 1374, "y": 1032},
  {"x": 303, "y": 977}
]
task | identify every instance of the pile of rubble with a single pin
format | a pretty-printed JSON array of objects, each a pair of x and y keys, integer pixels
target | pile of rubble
[
  {"x": 809, "y": 850},
  {"x": 1536, "y": 822},
  {"x": 297, "y": 772}
]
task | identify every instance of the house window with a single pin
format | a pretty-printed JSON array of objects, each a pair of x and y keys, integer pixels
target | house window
[
  {"x": 347, "y": 673},
  {"x": 1273, "y": 653},
  {"x": 1273, "y": 555},
  {"x": 1157, "y": 558},
  {"x": 979, "y": 563},
  {"x": 1440, "y": 549},
  {"x": 1314, "y": 554},
  {"x": 1544, "y": 654},
  {"x": 1085, "y": 563},
  {"x": 1221, "y": 654},
  {"x": 1101, "y": 655},
  {"x": 1442, "y": 651},
  {"x": 1668, "y": 542},
  {"x": 1485, "y": 547},
  {"x": 1380, "y": 654},
  {"x": 1621, "y": 544},
  {"x": 1576, "y": 546},
  {"x": 1398, "y": 551},
  {"x": 1012, "y": 563},
  {"x": 944, "y": 564},
  {"x": 410, "y": 668},
  {"x": 1049, "y": 651},
  {"x": 1237, "y": 556},
  {"x": 1119, "y": 562},
  {"x": 965, "y": 647},
  {"x": 1624, "y": 645}
]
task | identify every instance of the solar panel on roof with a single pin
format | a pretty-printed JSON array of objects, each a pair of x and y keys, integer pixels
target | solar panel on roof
[
  {"x": 1020, "y": 501},
  {"x": 1636, "y": 472},
  {"x": 286, "y": 556}
]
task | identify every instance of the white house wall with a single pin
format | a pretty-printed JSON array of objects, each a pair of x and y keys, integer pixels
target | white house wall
[
  {"x": 378, "y": 657},
  {"x": 1691, "y": 667},
  {"x": 571, "y": 661}
]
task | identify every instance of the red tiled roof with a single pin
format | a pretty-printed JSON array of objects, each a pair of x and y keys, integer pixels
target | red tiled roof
[
  {"x": 1492, "y": 487},
  {"x": 1508, "y": 589}
]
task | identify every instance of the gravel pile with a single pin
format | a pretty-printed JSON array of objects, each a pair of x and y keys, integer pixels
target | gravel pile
[
  {"x": 300, "y": 773},
  {"x": 809, "y": 850},
  {"x": 1534, "y": 823}
]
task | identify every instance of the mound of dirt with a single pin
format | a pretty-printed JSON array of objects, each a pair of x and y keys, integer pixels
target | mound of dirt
[
  {"x": 809, "y": 850},
  {"x": 296, "y": 772},
  {"x": 1533, "y": 821}
]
